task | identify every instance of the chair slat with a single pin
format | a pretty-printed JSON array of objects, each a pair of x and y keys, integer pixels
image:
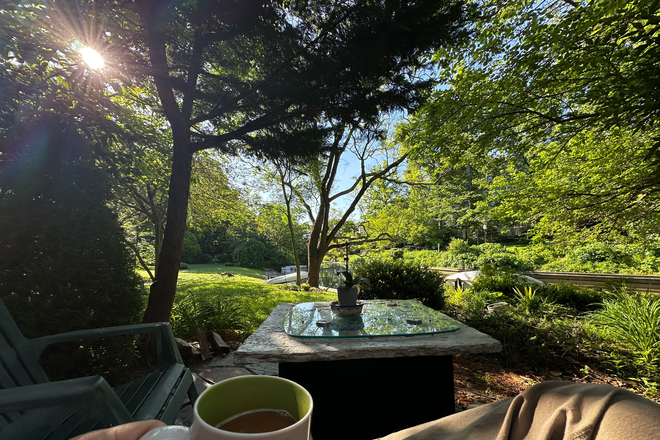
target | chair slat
[
  {"x": 155, "y": 404},
  {"x": 136, "y": 394},
  {"x": 75, "y": 424},
  {"x": 14, "y": 371},
  {"x": 172, "y": 406}
]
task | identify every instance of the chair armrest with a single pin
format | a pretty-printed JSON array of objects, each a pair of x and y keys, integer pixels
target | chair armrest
[
  {"x": 91, "y": 396},
  {"x": 168, "y": 353}
]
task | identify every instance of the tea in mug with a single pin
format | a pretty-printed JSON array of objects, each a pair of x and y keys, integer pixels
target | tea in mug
[{"x": 258, "y": 420}]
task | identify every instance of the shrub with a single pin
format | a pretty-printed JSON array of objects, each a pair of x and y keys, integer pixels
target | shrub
[
  {"x": 580, "y": 299},
  {"x": 468, "y": 304},
  {"x": 601, "y": 257},
  {"x": 458, "y": 246},
  {"x": 423, "y": 258},
  {"x": 250, "y": 253},
  {"x": 211, "y": 314},
  {"x": 540, "y": 340},
  {"x": 68, "y": 268},
  {"x": 191, "y": 247},
  {"x": 461, "y": 255},
  {"x": 400, "y": 280},
  {"x": 202, "y": 258},
  {"x": 461, "y": 261},
  {"x": 498, "y": 281}
]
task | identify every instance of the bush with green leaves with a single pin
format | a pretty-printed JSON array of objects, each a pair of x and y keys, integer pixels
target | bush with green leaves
[
  {"x": 250, "y": 253},
  {"x": 579, "y": 299},
  {"x": 397, "y": 279},
  {"x": 191, "y": 248},
  {"x": 469, "y": 304},
  {"x": 542, "y": 341},
  {"x": 212, "y": 314},
  {"x": 202, "y": 258},
  {"x": 499, "y": 281},
  {"x": 460, "y": 254},
  {"x": 562, "y": 257},
  {"x": 65, "y": 265},
  {"x": 422, "y": 258},
  {"x": 603, "y": 257}
]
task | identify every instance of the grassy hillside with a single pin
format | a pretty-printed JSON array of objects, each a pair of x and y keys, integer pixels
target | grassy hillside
[{"x": 244, "y": 294}]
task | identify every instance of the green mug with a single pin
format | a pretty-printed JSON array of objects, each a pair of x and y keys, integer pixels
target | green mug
[{"x": 241, "y": 395}]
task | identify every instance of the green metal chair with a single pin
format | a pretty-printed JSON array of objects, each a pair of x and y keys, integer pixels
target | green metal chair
[{"x": 33, "y": 408}]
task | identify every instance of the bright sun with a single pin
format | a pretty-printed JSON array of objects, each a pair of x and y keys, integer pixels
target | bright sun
[{"x": 92, "y": 58}]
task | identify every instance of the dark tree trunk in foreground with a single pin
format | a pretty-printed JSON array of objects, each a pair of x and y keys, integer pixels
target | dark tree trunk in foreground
[{"x": 161, "y": 296}]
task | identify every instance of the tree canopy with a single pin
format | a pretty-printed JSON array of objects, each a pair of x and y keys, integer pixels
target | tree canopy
[
  {"x": 225, "y": 74},
  {"x": 548, "y": 92}
]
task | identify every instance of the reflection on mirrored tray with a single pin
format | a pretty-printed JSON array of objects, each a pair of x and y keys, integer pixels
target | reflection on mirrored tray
[{"x": 378, "y": 318}]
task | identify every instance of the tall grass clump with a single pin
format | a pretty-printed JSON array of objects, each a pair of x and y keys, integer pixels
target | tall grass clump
[
  {"x": 211, "y": 314},
  {"x": 528, "y": 300},
  {"x": 633, "y": 319}
]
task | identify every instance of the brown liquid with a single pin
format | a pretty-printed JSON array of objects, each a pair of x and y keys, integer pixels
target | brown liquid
[{"x": 258, "y": 420}]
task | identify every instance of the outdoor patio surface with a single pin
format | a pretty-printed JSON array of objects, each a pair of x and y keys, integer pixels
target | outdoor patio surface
[{"x": 214, "y": 370}]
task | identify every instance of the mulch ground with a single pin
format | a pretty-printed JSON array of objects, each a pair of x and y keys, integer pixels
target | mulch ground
[{"x": 480, "y": 379}]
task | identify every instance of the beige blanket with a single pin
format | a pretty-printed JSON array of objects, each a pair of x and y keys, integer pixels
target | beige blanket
[{"x": 550, "y": 411}]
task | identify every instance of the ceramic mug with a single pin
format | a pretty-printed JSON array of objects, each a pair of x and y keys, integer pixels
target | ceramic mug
[{"x": 238, "y": 395}]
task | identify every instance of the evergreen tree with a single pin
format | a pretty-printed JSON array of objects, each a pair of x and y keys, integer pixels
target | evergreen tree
[{"x": 63, "y": 262}]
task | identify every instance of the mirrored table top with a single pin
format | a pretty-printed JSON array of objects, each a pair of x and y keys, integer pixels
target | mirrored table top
[{"x": 378, "y": 318}]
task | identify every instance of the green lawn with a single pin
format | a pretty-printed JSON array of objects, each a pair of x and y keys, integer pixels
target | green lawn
[{"x": 246, "y": 289}]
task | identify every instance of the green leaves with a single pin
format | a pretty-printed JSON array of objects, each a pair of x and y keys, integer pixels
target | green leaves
[
  {"x": 539, "y": 103},
  {"x": 634, "y": 319}
]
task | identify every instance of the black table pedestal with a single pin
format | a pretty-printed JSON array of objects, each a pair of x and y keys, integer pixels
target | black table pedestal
[{"x": 364, "y": 399}]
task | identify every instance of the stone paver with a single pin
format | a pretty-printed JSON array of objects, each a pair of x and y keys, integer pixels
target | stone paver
[{"x": 215, "y": 370}]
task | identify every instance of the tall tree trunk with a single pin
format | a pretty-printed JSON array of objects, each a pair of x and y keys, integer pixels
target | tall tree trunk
[
  {"x": 161, "y": 296},
  {"x": 292, "y": 233},
  {"x": 314, "y": 261}
]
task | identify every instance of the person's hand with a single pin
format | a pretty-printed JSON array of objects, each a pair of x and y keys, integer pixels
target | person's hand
[{"x": 129, "y": 431}]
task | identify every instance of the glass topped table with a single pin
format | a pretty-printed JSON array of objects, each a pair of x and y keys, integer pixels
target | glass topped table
[
  {"x": 365, "y": 376},
  {"x": 378, "y": 318}
]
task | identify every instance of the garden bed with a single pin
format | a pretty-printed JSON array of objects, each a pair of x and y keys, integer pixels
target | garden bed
[{"x": 482, "y": 378}]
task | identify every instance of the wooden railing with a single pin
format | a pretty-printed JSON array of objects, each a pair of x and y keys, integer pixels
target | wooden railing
[{"x": 641, "y": 283}]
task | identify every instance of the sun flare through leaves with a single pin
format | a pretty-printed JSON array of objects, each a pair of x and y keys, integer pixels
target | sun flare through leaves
[{"x": 92, "y": 58}]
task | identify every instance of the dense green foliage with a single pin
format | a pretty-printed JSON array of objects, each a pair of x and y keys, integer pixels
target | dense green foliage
[
  {"x": 191, "y": 248},
  {"x": 396, "y": 279},
  {"x": 634, "y": 321},
  {"x": 589, "y": 257},
  {"x": 250, "y": 253},
  {"x": 211, "y": 314},
  {"x": 461, "y": 255},
  {"x": 548, "y": 121},
  {"x": 63, "y": 265},
  {"x": 619, "y": 336}
]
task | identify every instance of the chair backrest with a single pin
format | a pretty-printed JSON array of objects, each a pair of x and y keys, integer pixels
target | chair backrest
[{"x": 19, "y": 365}]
